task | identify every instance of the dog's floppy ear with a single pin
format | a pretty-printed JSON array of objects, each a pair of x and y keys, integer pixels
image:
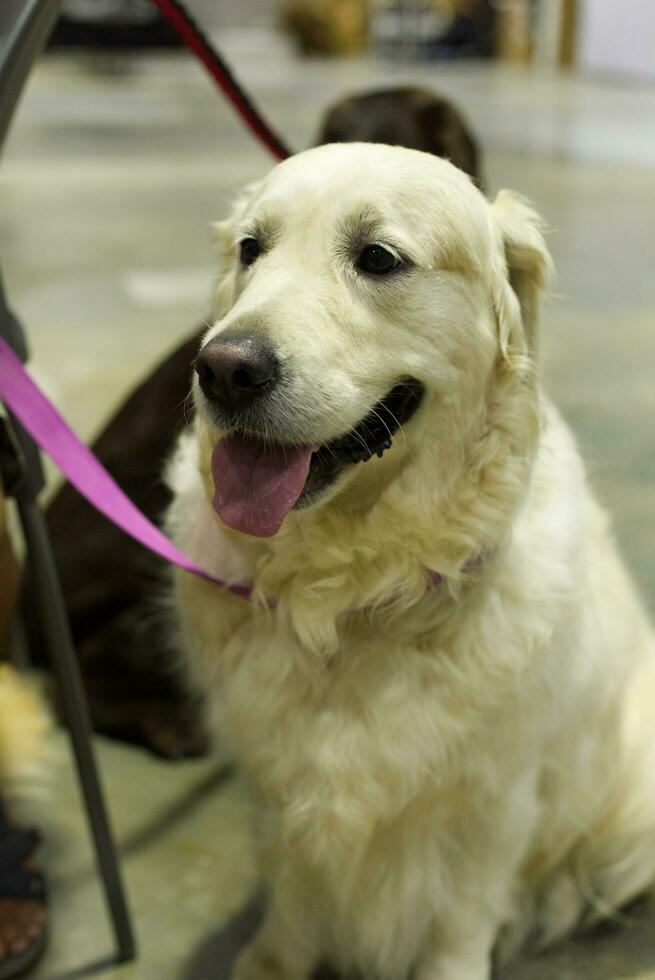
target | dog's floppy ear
[
  {"x": 526, "y": 269},
  {"x": 224, "y": 234}
]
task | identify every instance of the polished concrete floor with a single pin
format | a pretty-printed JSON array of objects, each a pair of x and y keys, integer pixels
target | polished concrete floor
[{"x": 114, "y": 171}]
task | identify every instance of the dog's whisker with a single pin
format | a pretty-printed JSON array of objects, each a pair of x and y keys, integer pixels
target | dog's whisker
[
  {"x": 380, "y": 419},
  {"x": 399, "y": 426},
  {"x": 186, "y": 407}
]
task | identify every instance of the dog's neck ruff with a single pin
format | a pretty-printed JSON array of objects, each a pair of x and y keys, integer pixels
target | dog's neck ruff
[{"x": 434, "y": 579}]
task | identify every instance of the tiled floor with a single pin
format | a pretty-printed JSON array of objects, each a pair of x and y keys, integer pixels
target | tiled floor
[{"x": 114, "y": 171}]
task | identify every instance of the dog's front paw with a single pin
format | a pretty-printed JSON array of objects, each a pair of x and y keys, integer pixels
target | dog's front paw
[{"x": 259, "y": 962}]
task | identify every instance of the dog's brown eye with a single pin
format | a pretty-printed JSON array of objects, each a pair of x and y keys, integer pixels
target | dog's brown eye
[
  {"x": 249, "y": 250},
  {"x": 377, "y": 260}
]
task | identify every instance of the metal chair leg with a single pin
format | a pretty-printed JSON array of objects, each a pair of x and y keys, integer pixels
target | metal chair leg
[{"x": 64, "y": 660}]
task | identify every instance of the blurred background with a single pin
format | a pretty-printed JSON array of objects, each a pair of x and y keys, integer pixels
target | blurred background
[{"x": 121, "y": 155}]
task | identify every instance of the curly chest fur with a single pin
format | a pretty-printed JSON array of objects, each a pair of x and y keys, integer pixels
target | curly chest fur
[{"x": 338, "y": 749}]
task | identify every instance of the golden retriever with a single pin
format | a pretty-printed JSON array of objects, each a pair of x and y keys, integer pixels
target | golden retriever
[{"x": 443, "y": 688}]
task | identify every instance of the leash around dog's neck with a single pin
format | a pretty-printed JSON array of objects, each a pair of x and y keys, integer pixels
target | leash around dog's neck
[{"x": 36, "y": 413}]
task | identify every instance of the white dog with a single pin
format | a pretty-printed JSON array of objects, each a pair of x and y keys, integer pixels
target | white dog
[{"x": 443, "y": 688}]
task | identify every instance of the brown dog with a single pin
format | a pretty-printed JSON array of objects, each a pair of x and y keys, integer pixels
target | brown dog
[
  {"x": 412, "y": 117},
  {"x": 110, "y": 583}
]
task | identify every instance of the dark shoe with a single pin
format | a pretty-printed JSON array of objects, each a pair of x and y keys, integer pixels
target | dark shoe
[{"x": 23, "y": 900}]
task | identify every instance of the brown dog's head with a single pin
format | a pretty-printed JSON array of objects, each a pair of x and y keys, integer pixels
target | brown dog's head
[{"x": 409, "y": 116}]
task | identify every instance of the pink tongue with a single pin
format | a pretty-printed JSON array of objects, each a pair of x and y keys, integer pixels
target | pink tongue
[{"x": 255, "y": 487}]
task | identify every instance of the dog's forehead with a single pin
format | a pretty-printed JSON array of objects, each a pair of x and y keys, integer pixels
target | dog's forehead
[
  {"x": 419, "y": 199},
  {"x": 397, "y": 183}
]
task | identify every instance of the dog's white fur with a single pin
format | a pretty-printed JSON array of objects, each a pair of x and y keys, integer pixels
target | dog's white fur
[{"x": 435, "y": 766}]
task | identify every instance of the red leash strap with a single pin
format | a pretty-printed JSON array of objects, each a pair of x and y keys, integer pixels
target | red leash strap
[{"x": 195, "y": 39}]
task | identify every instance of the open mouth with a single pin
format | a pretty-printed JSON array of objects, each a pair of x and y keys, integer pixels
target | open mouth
[
  {"x": 371, "y": 437},
  {"x": 256, "y": 485}
]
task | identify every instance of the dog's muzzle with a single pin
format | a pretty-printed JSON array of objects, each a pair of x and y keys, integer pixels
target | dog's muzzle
[{"x": 260, "y": 471}]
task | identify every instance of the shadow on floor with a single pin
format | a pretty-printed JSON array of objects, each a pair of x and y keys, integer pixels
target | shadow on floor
[
  {"x": 610, "y": 951},
  {"x": 180, "y": 808},
  {"x": 215, "y": 956},
  {"x": 218, "y": 952}
]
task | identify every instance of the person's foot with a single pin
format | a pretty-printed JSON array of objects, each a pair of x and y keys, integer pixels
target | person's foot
[
  {"x": 21, "y": 922},
  {"x": 23, "y": 908}
]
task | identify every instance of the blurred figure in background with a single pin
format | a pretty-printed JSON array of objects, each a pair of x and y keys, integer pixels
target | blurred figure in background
[
  {"x": 470, "y": 33},
  {"x": 443, "y": 29}
]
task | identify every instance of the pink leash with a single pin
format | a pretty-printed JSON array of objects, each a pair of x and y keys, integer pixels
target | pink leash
[{"x": 78, "y": 464}]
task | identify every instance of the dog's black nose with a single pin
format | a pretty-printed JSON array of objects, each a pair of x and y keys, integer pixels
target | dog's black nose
[{"x": 235, "y": 370}]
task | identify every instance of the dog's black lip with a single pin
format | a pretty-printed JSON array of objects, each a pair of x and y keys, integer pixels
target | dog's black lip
[
  {"x": 375, "y": 432},
  {"x": 370, "y": 437}
]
